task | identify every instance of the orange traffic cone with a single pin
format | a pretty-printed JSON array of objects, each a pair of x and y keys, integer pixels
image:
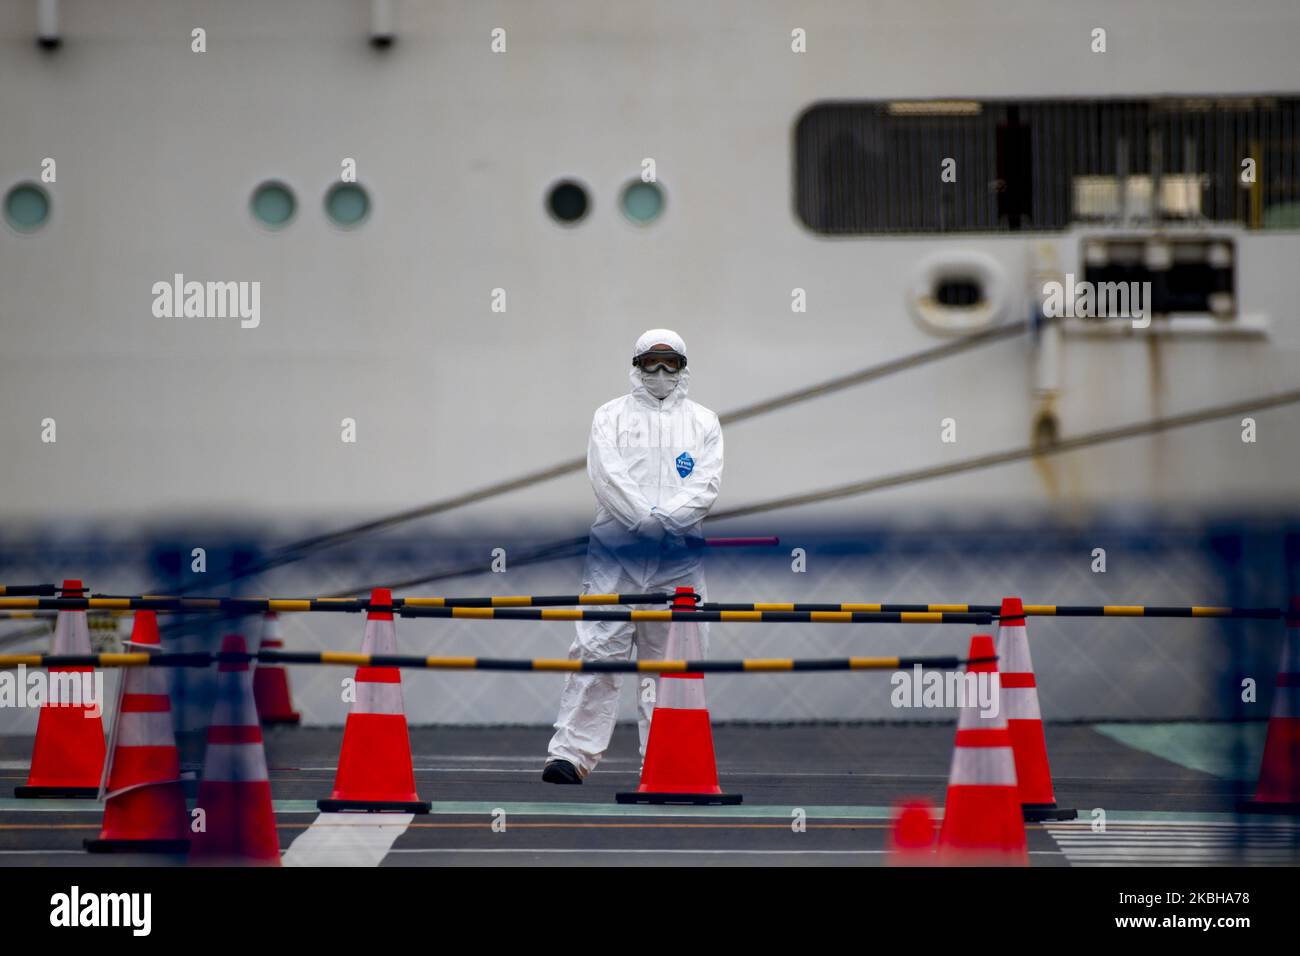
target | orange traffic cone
[
  {"x": 145, "y": 809},
  {"x": 679, "y": 764},
  {"x": 271, "y": 681},
  {"x": 68, "y": 757},
  {"x": 911, "y": 841},
  {"x": 235, "y": 792},
  {"x": 1278, "y": 790},
  {"x": 1024, "y": 719},
  {"x": 982, "y": 821},
  {"x": 375, "y": 771}
]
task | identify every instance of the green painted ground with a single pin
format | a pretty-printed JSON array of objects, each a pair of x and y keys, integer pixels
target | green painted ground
[
  {"x": 470, "y": 808},
  {"x": 476, "y": 808},
  {"x": 1227, "y": 751}
]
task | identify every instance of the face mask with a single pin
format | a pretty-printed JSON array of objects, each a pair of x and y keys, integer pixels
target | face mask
[{"x": 660, "y": 384}]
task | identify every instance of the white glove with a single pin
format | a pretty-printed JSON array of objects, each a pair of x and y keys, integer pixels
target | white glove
[{"x": 650, "y": 527}]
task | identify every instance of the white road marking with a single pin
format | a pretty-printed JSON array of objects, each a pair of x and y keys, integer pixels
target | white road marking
[
  {"x": 1174, "y": 843},
  {"x": 347, "y": 839}
]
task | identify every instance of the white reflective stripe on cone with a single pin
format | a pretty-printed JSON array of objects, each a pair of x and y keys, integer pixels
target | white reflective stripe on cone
[
  {"x": 71, "y": 633},
  {"x": 1013, "y": 651},
  {"x": 146, "y": 729},
  {"x": 381, "y": 638},
  {"x": 375, "y": 697},
  {"x": 681, "y": 693},
  {"x": 1020, "y": 703},
  {"x": 235, "y": 706},
  {"x": 235, "y": 763},
  {"x": 71, "y": 689},
  {"x": 684, "y": 642},
  {"x": 983, "y": 766},
  {"x": 970, "y": 716},
  {"x": 146, "y": 680},
  {"x": 270, "y": 629},
  {"x": 1286, "y": 700}
]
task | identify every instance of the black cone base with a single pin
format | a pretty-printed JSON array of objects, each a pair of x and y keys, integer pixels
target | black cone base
[
  {"x": 47, "y": 793},
  {"x": 1263, "y": 806},
  {"x": 681, "y": 799},
  {"x": 290, "y": 719},
  {"x": 137, "y": 846},
  {"x": 1038, "y": 812},
  {"x": 373, "y": 806}
]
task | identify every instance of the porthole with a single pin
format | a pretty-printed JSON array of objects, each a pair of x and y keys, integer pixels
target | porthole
[
  {"x": 347, "y": 205},
  {"x": 567, "y": 202},
  {"x": 27, "y": 207},
  {"x": 642, "y": 202},
  {"x": 273, "y": 204}
]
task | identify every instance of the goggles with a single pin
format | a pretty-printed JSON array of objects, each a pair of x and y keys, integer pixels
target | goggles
[{"x": 655, "y": 360}]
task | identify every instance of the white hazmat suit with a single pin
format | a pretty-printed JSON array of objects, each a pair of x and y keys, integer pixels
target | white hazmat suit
[{"x": 656, "y": 468}]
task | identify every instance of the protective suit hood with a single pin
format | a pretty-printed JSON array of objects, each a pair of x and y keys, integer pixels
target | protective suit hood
[{"x": 649, "y": 339}]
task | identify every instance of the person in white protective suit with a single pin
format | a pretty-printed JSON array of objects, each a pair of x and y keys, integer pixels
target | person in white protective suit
[{"x": 655, "y": 463}]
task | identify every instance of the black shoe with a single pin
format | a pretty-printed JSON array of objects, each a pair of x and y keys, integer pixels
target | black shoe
[{"x": 560, "y": 771}]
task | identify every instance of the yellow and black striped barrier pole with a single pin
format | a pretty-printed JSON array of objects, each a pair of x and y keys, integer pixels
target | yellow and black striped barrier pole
[
  {"x": 164, "y": 602},
  {"x": 28, "y": 590},
  {"x": 1030, "y": 610},
  {"x": 538, "y": 665},
  {"x": 853, "y": 607},
  {"x": 451, "y": 608},
  {"x": 1148, "y": 610},
  {"x": 540, "y": 600},
  {"x": 748, "y": 617},
  {"x": 768, "y": 611}
]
